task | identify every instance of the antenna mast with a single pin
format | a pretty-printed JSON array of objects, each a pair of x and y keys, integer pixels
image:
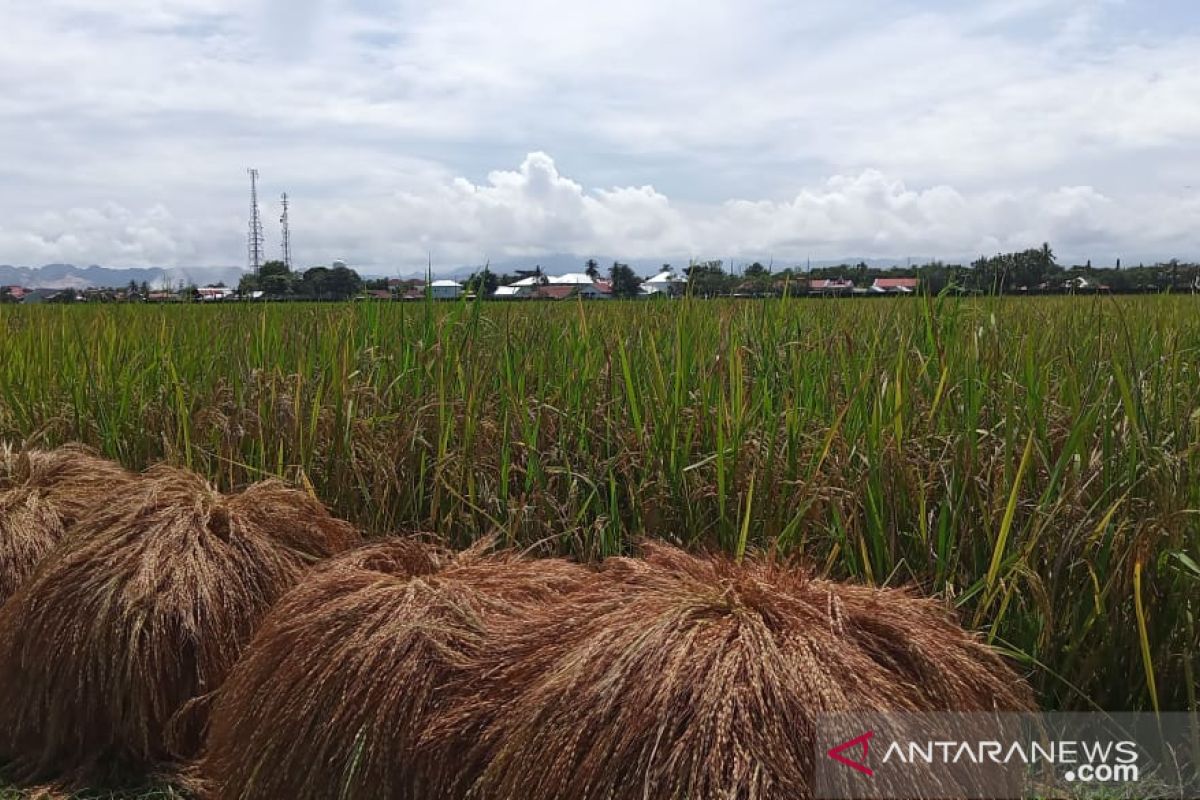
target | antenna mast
[
  {"x": 254, "y": 240},
  {"x": 287, "y": 233}
]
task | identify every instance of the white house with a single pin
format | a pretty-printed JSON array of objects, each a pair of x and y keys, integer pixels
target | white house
[
  {"x": 210, "y": 293},
  {"x": 517, "y": 289},
  {"x": 664, "y": 283},
  {"x": 570, "y": 279},
  {"x": 445, "y": 289}
]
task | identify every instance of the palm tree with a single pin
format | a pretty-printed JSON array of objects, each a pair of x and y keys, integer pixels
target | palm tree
[{"x": 592, "y": 269}]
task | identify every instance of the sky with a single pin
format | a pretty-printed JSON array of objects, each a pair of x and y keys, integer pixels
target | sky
[{"x": 464, "y": 131}]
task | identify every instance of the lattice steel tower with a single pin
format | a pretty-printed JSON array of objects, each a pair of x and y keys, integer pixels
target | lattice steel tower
[
  {"x": 254, "y": 241},
  {"x": 287, "y": 233}
]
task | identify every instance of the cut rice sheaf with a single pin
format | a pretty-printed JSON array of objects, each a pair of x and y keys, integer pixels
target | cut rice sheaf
[{"x": 141, "y": 615}]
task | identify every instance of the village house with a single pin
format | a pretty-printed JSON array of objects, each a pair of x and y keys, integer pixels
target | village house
[
  {"x": 214, "y": 293},
  {"x": 895, "y": 285},
  {"x": 835, "y": 286},
  {"x": 556, "y": 287},
  {"x": 664, "y": 284},
  {"x": 445, "y": 289},
  {"x": 526, "y": 287}
]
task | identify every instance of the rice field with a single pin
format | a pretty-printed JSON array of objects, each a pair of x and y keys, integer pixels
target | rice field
[{"x": 1034, "y": 460}]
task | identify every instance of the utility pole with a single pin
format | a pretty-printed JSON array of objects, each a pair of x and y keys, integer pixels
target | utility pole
[{"x": 254, "y": 240}]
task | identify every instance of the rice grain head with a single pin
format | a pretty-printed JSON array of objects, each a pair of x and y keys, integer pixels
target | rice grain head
[{"x": 143, "y": 614}]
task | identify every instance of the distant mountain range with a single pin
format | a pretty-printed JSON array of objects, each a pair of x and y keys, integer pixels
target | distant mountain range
[{"x": 69, "y": 276}]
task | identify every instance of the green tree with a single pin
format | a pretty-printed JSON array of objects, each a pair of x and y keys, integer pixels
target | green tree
[
  {"x": 482, "y": 283},
  {"x": 592, "y": 269},
  {"x": 708, "y": 279},
  {"x": 344, "y": 283},
  {"x": 314, "y": 284},
  {"x": 275, "y": 279},
  {"x": 248, "y": 284},
  {"x": 625, "y": 282}
]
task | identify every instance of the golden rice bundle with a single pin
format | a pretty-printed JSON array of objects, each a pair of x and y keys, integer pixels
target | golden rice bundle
[
  {"x": 45, "y": 493},
  {"x": 8, "y": 463},
  {"x": 682, "y": 677},
  {"x": 143, "y": 614},
  {"x": 339, "y": 684},
  {"x": 29, "y": 530},
  {"x": 73, "y": 478}
]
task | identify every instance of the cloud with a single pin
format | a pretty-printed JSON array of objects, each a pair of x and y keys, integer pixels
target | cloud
[
  {"x": 534, "y": 210},
  {"x": 947, "y": 128}
]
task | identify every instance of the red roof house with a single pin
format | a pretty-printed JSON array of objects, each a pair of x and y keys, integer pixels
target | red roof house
[
  {"x": 554, "y": 292},
  {"x": 896, "y": 285}
]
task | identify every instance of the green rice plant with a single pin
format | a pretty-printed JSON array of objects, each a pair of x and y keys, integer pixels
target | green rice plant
[{"x": 1020, "y": 457}]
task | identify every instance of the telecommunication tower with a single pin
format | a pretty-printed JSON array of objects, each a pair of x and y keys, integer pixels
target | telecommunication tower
[
  {"x": 254, "y": 240},
  {"x": 287, "y": 233}
]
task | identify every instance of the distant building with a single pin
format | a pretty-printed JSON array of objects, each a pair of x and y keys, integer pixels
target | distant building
[
  {"x": 445, "y": 289},
  {"x": 519, "y": 289},
  {"x": 570, "y": 279},
  {"x": 664, "y": 284},
  {"x": 833, "y": 286},
  {"x": 895, "y": 285},
  {"x": 17, "y": 293},
  {"x": 36, "y": 296},
  {"x": 554, "y": 292},
  {"x": 578, "y": 284},
  {"x": 555, "y": 287},
  {"x": 214, "y": 293}
]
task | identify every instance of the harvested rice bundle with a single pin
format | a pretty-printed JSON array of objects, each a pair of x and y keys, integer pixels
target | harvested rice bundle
[
  {"x": 397, "y": 556},
  {"x": 29, "y": 530},
  {"x": 145, "y": 612},
  {"x": 73, "y": 478},
  {"x": 684, "y": 677},
  {"x": 47, "y": 491},
  {"x": 8, "y": 463},
  {"x": 336, "y": 689}
]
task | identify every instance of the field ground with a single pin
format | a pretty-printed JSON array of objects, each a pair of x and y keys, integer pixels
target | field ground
[
  {"x": 145, "y": 794},
  {"x": 1035, "y": 460}
]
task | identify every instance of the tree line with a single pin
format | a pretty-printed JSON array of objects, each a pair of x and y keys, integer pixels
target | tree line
[
  {"x": 1032, "y": 271},
  {"x": 277, "y": 282}
]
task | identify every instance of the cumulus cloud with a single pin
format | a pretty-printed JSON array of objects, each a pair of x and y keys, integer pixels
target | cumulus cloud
[{"x": 534, "y": 209}]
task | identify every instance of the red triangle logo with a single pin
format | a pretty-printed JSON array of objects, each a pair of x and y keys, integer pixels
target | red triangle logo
[{"x": 864, "y": 742}]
